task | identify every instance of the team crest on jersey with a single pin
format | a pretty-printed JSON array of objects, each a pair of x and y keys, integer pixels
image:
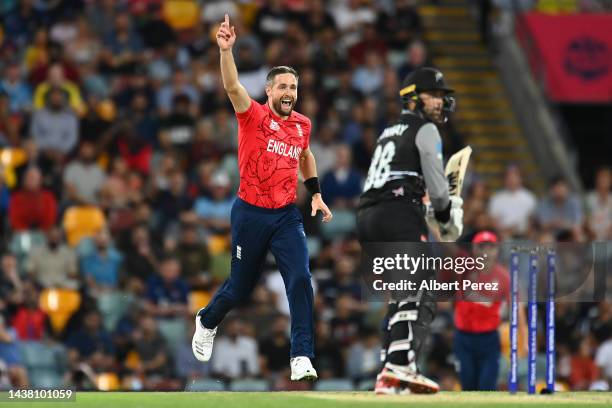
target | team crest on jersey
[
  {"x": 274, "y": 125},
  {"x": 299, "y": 128}
]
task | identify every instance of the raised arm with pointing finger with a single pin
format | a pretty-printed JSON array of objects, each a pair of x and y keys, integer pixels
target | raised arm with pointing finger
[{"x": 226, "y": 37}]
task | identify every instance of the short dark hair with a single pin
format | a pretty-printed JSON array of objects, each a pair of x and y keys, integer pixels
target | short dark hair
[{"x": 281, "y": 69}]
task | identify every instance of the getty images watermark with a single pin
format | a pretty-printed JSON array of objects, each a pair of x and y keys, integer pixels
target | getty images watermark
[
  {"x": 480, "y": 272},
  {"x": 410, "y": 265}
]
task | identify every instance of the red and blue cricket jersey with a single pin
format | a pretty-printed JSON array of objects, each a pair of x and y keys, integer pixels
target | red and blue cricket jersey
[
  {"x": 269, "y": 151},
  {"x": 482, "y": 315}
]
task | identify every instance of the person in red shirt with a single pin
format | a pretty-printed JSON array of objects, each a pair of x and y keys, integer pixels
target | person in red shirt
[
  {"x": 273, "y": 146},
  {"x": 32, "y": 207},
  {"x": 478, "y": 316}
]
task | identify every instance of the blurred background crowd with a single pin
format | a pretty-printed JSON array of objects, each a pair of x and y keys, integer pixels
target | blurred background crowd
[{"x": 119, "y": 169}]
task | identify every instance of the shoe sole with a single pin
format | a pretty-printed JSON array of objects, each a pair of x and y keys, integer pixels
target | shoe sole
[
  {"x": 415, "y": 387},
  {"x": 307, "y": 377}
]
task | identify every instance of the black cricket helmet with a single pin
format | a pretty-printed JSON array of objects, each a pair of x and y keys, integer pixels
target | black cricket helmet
[{"x": 427, "y": 79}]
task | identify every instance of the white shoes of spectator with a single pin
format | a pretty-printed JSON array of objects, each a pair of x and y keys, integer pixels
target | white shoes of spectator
[
  {"x": 302, "y": 369},
  {"x": 202, "y": 342}
]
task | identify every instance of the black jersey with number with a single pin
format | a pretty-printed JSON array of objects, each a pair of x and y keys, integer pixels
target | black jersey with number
[{"x": 406, "y": 161}]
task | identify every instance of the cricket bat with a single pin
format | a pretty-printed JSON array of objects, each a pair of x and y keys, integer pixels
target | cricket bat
[{"x": 455, "y": 170}]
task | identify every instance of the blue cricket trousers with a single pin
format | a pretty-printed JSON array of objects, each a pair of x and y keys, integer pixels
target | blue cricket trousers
[
  {"x": 478, "y": 355},
  {"x": 254, "y": 231}
]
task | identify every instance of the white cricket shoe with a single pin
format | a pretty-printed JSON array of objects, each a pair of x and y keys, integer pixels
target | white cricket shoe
[
  {"x": 202, "y": 342},
  {"x": 417, "y": 383},
  {"x": 302, "y": 369}
]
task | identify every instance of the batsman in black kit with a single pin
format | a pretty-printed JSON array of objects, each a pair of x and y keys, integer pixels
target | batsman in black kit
[{"x": 407, "y": 163}]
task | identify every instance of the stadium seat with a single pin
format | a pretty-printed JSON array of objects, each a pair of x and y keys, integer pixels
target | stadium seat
[
  {"x": 205, "y": 384},
  {"x": 344, "y": 222},
  {"x": 366, "y": 385},
  {"x": 22, "y": 243},
  {"x": 60, "y": 305},
  {"x": 249, "y": 385},
  {"x": 173, "y": 330},
  {"x": 107, "y": 382},
  {"x": 82, "y": 221},
  {"x": 198, "y": 299},
  {"x": 42, "y": 378},
  {"x": 113, "y": 305},
  {"x": 218, "y": 244},
  {"x": 37, "y": 355},
  {"x": 220, "y": 266},
  {"x": 334, "y": 384},
  {"x": 181, "y": 14},
  {"x": 9, "y": 159}
]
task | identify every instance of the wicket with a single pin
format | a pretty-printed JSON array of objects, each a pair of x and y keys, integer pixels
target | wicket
[{"x": 532, "y": 319}]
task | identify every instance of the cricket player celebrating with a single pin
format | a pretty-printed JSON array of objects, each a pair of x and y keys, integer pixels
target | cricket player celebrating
[
  {"x": 273, "y": 143},
  {"x": 406, "y": 163}
]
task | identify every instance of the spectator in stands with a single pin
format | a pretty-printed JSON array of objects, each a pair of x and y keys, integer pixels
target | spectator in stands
[
  {"x": 122, "y": 44},
  {"x": 349, "y": 16},
  {"x": 56, "y": 80},
  {"x": 330, "y": 361},
  {"x": 30, "y": 322},
  {"x": 53, "y": 264},
  {"x": 100, "y": 268},
  {"x": 584, "y": 370},
  {"x": 167, "y": 292},
  {"x": 11, "y": 356},
  {"x": 346, "y": 323},
  {"x": 32, "y": 207},
  {"x": 400, "y": 25},
  {"x": 171, "y": 203},
  {"x": 261, "y": 311},
  {"x": 154, "y": 358},
  {"x": 599, "y": 206},
  {"x": 275, "y": 349},
  {"x": 90, "y": 347},
  {"x": 236, "y": 355},
  {"x": 180, "y": 86},
  {"x": 214, "y": 212},
  {"x": 416, "y": 58},
  {"x": 11, "y": 285},
  {"x": 324, "y": 149},
  {"x": 178, "y": 128},
  {"x": 512, "y": 207},
  {"x": 271, "y": 21},
  {"x": 18, "y": 91},
  {"x": 343, "y": 282},
  {"x": 363, "y": 360},
  {"x": 603, "y": 359},
  {"x": 601, "y": 321},
  {"x": 342, "y": 185},
  {"x": 370, "y": 42},
  {"x": 83, "y": 177},
  {"x": 368, "y": 77},
  {"x": 55, "y": 128},
  {"x": 194, "y": 257},
  {"x": 561, "y": 211},
  {"x": 141, "y": 255}
]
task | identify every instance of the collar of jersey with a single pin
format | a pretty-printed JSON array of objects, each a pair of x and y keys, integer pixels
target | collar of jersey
[{"x": 276, "y": 117}]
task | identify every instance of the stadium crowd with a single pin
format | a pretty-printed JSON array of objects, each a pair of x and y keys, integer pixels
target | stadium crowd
[{"x": 119, "y": 171}]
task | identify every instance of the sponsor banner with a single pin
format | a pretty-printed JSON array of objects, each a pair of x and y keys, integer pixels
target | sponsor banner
[{"x": 575, "y": 52}]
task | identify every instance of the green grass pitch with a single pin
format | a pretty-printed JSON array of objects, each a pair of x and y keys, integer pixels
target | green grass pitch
[{"x": 320, "y": 400}]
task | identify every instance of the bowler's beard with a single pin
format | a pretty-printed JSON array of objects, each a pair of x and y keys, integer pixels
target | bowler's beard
[{"x": 282, "y": 111}]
